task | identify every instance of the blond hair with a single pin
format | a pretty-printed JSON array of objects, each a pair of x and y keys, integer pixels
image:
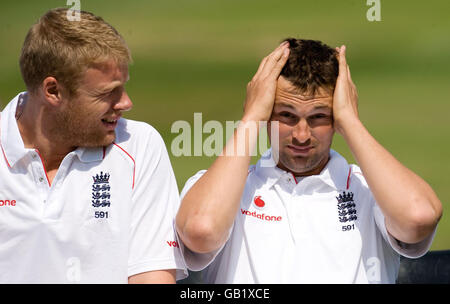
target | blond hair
[{"x": 64, "y": 49}]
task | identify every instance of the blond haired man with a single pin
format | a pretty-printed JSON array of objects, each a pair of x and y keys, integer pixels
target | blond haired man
[{"x": 88, "y": 197}]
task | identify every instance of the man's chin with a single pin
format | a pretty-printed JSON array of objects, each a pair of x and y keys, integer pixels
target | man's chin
[
  {"x": 98, "y": 142},
  {"x": 301, "y": 166}
]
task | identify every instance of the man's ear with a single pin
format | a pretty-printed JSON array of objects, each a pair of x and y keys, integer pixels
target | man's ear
[{"x": 52, "y": 91}]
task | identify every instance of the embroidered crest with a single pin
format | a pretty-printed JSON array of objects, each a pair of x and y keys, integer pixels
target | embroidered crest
[
  {"x": 346, "y": 207},
  {"x": 100, "y": 190}
]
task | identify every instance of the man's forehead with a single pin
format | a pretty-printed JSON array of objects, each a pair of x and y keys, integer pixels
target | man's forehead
[
  {"x": 108, "y": 68},
  {"x": 106, "y": 75},
  {"x": 303, "y": 106},
  {"x": 287, "y": 94}
]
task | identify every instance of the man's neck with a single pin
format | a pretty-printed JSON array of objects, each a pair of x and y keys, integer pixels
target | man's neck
[
  {"x": 32, "y": 121},
  {"x": 315, "y": 171}
]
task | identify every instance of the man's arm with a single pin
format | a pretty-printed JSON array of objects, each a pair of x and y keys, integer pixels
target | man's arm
[
  {"x": 154, "y": 277},
  {"x": 153, "y": 206},
  {"x": 208, "y": 209},
  {"x": 410, "y": 206}
]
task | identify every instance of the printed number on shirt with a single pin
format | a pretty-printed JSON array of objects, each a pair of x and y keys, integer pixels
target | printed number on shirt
[
  {"x": 348, "y": 227},
  {"x": 101, "y": 214}
]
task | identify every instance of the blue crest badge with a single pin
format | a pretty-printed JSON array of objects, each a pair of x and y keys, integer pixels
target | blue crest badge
[{"x": 100, "y": 190}]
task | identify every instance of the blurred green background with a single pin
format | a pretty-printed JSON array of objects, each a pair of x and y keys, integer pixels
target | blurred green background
[{"x": 198, "y": 55}]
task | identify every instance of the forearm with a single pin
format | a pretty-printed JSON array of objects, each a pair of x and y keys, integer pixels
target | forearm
[
  {"x": 208, "y": 209},
  {"x": 410, "y": 206}
]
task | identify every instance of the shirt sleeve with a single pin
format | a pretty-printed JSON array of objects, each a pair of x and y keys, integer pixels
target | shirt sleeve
[
  {"x": 411, "y": 251},
  {"x": 197, "y": 261},
  {"x": 155, "y": 200}
]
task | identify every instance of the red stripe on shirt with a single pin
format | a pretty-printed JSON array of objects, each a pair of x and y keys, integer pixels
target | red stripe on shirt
[
  {"x": 348, "y": 178},
  {"x": 294, "y": 178},
  {"x": 134, "y": 167}
]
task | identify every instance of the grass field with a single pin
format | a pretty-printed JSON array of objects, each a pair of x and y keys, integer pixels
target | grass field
[{"x": 198, "y": 55}]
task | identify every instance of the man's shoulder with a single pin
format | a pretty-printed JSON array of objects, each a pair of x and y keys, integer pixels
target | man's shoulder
[
  {"x": 138, "y": 140},
  {"x": 194, "y": 178},
  {"x": 135, "y": 133},
  {"x": 357, "y": 174},
  {"x": 128, "y": 128},
  {"x": 358, "y": 185},
  {"x": 200, "y": 173}
]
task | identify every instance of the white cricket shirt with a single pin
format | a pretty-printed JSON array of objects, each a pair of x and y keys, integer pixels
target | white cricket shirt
[
  {"x": 107, "y": 215},
  {"x": 324, "y": 228}
]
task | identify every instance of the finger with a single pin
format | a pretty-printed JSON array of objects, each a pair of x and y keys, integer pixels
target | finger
[
  {"x": 349, "y": 75},
  {"x": 273, "y": 60},
  {"x": 281, "y": 46},
  {"x": 261, "y": 66},
  {"x": 342, "y": 62},
  {"x": 264, "y": 61},
  {"x": 280, "y": 64}
]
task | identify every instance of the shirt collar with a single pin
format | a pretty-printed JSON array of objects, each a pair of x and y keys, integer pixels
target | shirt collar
[
  {"x": 13, "y": 148},
  {"x": 87, "y": 155},
  {"x": 335, "y": 173},
  {"x": 11, "y": 143}
]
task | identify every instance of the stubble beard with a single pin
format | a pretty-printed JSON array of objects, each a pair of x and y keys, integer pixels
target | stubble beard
[
  {"x": 303, "y": 165},
  {"x": 74, "y": 128}
]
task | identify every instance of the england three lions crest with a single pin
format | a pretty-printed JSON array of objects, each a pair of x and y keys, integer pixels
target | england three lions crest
[
  {"x": 100, "y": 190},
  {"x": 346, "y": 207}
]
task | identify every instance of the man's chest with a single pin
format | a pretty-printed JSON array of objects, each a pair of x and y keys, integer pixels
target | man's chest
[
  {"x": 285, "y": 224},
  {"x": 94, "y": 194},
  {"x": 282, "y": 233},
  {"x": 334, "y": 211}
]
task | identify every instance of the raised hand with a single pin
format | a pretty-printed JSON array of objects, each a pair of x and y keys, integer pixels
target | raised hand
[
  {"x": 261, "y": 89},
  {"x": 345, "y": 98}
]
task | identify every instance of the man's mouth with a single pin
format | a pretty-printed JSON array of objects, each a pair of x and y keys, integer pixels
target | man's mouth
[
  {"x": 299, "y": 150},
  {"x": 110, "y": 123}
]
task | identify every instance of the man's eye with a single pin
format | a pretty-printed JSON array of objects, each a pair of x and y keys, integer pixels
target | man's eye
[
  {"x": 110, "y": 93},
  {"x": 104, "y": 94},
  {"x": 286, "y": 114},
  {"x": 318, "y": 116}
]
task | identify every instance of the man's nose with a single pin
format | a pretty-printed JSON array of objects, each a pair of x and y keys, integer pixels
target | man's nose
[
  {"x": 124, "y": 104},
  {"x": 302, "y": 132}
]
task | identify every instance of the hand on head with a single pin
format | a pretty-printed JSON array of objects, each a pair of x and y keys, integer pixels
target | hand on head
[
  {"x": 345, "y": 98},
  {"x": 261, "y": 89}
]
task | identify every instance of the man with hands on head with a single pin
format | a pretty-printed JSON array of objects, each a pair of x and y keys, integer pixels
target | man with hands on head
[{"x": 302, "y": 214}]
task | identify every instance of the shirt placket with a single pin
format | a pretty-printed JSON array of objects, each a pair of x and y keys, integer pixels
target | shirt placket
[
  {"x": 47, "y": 191},
  {"x": 40, "y": 178},
  {"x": 55, "y": 200},
  {"x": 284, "y": 189}
]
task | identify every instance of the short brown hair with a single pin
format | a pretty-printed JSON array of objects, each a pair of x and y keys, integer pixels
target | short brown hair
[
  {"x": 311, "y": 65},
  {"x": 64, "y": 49}
]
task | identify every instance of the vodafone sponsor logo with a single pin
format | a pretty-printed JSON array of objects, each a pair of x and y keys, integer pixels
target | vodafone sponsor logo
[
  {"x": 262, "y": 216},
  {"x": 173, "y": 244},
  {"x": 259, "y": 202},
  {"x": 4, "y": 203}
]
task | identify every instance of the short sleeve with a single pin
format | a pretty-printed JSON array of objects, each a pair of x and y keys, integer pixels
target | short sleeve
[
  {"x": 411, "y": 251},
  {"x": 153, "y": 243},
  {"x": 407, "y": 250},
  {"x": 197, "y": 261},
  {"x": 190, "y": 182}
]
